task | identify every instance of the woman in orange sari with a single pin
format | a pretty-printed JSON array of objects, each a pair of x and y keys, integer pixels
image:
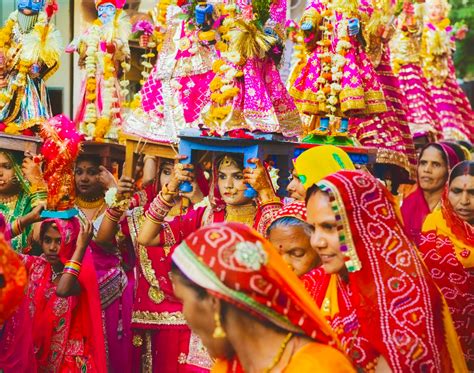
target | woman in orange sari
[
  {"x": 447, "y": 247},
  {"x": 372, "y": 286},
  {"x": 249, "y": 309}
]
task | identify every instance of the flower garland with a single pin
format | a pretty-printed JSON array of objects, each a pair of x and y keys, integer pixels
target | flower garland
[
  {"x": 227, "y": 70},
  {"x": 332, "y": 64},
  {"x": 97, "y": 51}
]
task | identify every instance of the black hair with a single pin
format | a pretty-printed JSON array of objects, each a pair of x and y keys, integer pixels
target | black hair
[
  {"x": 44, "y": 227},
  {"x": 237, "y": 157},
  {"x": 313, "y": 189},
  {"x": 466, "y": 144},
  {"x": 439, "y": 148},
  {"x": 462, "y": 168},
  {"x": 94, "y": 159}
]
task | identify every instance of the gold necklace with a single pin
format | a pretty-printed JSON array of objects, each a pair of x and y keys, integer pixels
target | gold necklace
[
  {"x": 96, "y": 213},
  {"x": 279, "y": 355},
  {"x": 89, "y": 205},
  {"x": 241, "y": 214}
]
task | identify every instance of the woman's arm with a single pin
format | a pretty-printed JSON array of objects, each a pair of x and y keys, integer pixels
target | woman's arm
[
  {"x": 110, "y": 224},
  {"x": 150, "y": 231},
  {"x": 68, "y": 284}
]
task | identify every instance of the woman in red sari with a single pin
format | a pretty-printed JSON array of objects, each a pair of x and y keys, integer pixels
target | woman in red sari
[
  {"x": 226, "y": 202},
  {"x": 372, "y": 286},
  {"x": 447, "y": 247},
  {"x": 62, "y": 297},
  {"x": 162, "y": 342},
  {"x": 434, "y": 163}
]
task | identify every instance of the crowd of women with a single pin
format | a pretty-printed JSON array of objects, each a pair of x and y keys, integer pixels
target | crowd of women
[{"x": 147, "y": 278}]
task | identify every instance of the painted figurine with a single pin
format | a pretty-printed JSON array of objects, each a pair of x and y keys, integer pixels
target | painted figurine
[
  {"x": 104, "y": 54},
  {"x": 177, "y": 89},
  {"x": 29, "y": 55},
  {"x": 338, "y": 80},
  {"x": 406, "y": 62},
  {"x": 438, "y": 43},
  {"x": 247, "y": 92},
  {"x": 389, "y": 131}
]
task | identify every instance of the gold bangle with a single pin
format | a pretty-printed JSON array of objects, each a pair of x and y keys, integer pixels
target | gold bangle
[{"x": 160, "y": 196}]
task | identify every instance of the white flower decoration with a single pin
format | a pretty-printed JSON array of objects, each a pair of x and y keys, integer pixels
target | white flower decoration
[{"x": 250, "y": 255}]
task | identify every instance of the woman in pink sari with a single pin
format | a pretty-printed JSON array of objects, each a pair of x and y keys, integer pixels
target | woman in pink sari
[
  {"x": 62, "y": 308},
  {"x": 434, "y": 163},
  {"x": 114, "y": 267}
]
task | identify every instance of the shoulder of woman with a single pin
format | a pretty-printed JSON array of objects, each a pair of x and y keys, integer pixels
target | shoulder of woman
[{"x": 318, "y": 357}]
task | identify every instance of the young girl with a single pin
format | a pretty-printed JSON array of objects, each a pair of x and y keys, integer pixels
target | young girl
[{"x": 63, "y": 306}]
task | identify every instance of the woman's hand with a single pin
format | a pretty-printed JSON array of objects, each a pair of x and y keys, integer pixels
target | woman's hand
[
  {"x": 31, "y": 168},
  {"x": 259, "y": 180},
  {"x": 85, "y": 236},
  {"x": 34, "y": 216},
  {"x": 257, "y": 177},
  {"x": 126, "y": 186},
  {"x": 106, "y": 178},
  {"x": 181, "y": 172}
]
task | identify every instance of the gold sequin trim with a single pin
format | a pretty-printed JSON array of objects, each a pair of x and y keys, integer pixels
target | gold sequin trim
[{"x": 158, "y": 318}]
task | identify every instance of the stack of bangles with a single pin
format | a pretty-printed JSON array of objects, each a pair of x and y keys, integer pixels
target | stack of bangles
[
  {"x": 113, "y": 214},
  {"x": 16, "y": 228},
  {"x": 158, "y": 209},
  {"x": 72, "y": 267}
]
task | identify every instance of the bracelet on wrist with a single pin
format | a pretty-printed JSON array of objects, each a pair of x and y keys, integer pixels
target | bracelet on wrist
[
  {"x": 113, "y": 215},
  {"x": 163, "y": 201},
  {"x": 72, "y": 267}
]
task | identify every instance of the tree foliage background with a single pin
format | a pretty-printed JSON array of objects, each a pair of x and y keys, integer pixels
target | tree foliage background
[{"x": 463, "y": 10}]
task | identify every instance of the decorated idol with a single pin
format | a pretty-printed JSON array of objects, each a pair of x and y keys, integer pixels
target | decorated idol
[
  {"x": 29, "y": 55},
  {"x": 104, "y": 54},
  {"x": 177, "y": 88},
  {"x": 247, "y": 93},
  {"x": 438, "y": 44},
  {"x": 338, "y": 80},
  {"x": 405, "y": 49},
  {"x": 389, "y": 131}
]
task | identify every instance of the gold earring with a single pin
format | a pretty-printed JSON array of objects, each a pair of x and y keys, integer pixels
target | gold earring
[{"x": 218, "y": 331}]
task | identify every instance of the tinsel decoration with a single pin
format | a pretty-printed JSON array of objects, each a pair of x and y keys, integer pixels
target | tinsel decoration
[{"x": 62, "y": 143}]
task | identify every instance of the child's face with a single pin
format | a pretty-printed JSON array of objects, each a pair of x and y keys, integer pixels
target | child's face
[{"x": 51, "y": 244}]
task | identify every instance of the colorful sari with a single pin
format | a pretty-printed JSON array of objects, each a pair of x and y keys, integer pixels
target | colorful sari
[
  {"x": 116, "y": 296},
  {"x": 388, "y": 306},
  {"x": 66, "y": 332},
  {"x": 414, "y": 208},
  {"x": 447, "y": 244},
  {"x": 13, "y": 309},
  {"x": 19, "y": 206},
  {"x": 236, "y": 264},
  {"x": 162, "y": 342}
]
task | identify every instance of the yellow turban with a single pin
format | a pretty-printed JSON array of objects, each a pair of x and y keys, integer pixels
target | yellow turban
[{"x": 316, "y": 163}]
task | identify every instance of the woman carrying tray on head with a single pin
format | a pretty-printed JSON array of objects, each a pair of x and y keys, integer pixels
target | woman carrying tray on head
[{"x": 156, "y": 315}]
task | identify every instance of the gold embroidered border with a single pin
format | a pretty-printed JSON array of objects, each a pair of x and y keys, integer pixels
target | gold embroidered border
[{"x": 158, "y": 318}]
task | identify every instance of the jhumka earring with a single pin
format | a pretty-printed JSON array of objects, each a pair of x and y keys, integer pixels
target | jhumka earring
[{"x": 218, "y": 331}]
